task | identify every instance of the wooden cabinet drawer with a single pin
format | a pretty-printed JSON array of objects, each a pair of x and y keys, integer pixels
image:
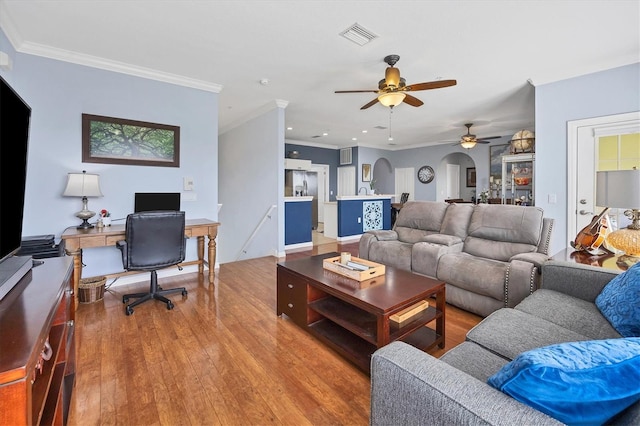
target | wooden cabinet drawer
[{"x": 292, "y": 297}]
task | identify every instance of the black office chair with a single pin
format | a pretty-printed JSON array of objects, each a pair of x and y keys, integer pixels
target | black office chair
[
  {"x": 395, "y": 207},
  {"x": 153, "y": 240}
]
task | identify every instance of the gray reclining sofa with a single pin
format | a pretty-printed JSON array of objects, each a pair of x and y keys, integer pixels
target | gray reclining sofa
[
  {"x": 488, "y": 254},
  {"x": 411, "y": 387}
]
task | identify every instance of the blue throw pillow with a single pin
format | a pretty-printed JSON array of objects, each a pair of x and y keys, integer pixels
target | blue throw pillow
[
  {"x": 578, "y": 382},
  {"x": 619, "y": 302}
]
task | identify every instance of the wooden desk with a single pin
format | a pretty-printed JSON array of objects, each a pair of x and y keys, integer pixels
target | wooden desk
[{"x": 77, "y": 239}]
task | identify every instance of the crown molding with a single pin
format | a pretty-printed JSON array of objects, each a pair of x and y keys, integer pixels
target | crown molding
[
  {"x": 269, "y": 106},
  {"x": 115, "y": 66}
]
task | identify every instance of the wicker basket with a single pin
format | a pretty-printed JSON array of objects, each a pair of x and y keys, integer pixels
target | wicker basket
[{"x": 91, "y": 289}]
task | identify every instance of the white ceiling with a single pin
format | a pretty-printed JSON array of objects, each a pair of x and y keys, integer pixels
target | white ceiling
[{"x": 494, "y": 49}]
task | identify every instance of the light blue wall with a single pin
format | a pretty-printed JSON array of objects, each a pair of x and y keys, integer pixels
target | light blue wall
[
  {"x": 437, "y": 157},
  {"x": 251, "y": 181},
  {"x": 59, "y": 93},
  {"x": 614, "y": 91}
]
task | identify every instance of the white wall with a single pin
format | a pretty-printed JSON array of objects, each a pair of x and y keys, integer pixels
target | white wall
[
  {"x": 251, "y": 158},
  {"x": 58, "y": 93},
  {"x": 604, "y": 93}
]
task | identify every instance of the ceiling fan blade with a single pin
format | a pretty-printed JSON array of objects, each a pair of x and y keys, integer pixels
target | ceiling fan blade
[
  {"x": 373, "y": 102},
  {"x": 430, "y": 85},
  {"x": 490, "y": 137},
  {"x": 413, "y": 101},
  {"x": 356, "y": 91},
  {"x": 481, "y": 141}
]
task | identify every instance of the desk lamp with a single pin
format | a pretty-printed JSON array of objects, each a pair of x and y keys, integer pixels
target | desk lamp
[
  {"x": 621, "y": 189},
  {"x": 83, "y": 185}
]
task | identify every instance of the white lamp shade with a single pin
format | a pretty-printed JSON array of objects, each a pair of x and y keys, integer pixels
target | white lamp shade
[
  {"x": 390, "y": 99},
  {"x": 82, "y": 185},
  {"x": 618, "y": 189}
]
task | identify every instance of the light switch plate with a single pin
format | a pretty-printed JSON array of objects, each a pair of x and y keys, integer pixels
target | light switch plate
[{"x": 188, "y": 184}]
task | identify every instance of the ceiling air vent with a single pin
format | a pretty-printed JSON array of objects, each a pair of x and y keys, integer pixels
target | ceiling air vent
[
  {"x": 345, "y": 156},
  {"x": 358, "y": 34}
]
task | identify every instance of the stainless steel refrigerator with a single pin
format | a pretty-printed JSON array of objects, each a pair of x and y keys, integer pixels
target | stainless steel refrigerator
[{"x": 301, "y": 183}]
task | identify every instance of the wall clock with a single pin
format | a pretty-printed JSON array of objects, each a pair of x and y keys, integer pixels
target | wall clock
[{"x": 425, "y": 174}]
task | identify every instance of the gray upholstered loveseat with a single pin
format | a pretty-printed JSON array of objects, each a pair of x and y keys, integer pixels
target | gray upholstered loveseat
[
  {"x": 410, "y": 387},
  {"x": 488, "y": 254}
]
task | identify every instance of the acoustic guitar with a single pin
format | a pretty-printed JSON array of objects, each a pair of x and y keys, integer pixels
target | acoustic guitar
[{"x": 591, "y": 237}]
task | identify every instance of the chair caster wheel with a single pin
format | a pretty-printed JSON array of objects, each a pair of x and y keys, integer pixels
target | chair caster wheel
[
  {"x": 125, "y": 299},
  {"x": 184, "y": 292},
  {"x": 169, "y": 306},
  {"x": 128, "y": 310}
]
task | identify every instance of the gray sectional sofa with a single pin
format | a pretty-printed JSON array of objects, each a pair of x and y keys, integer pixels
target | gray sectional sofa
[
  {"x": 410, "y": 387},
  {"x": 488, "y": 254}
]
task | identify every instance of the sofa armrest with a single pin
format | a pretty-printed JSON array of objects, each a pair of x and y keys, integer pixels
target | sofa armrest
[
  {"x": 410, "y": 387},
  {"x": 371, "y": 237},
  {"x": 384, "y": 235},
  {"x": 538, "y": 259},
  {"x": 581, "y": 281}
]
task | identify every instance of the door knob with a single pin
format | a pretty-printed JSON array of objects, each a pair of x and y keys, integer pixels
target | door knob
[{"x": 583, "y": 212}]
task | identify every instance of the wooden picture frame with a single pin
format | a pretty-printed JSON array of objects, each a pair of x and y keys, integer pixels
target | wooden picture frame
[
  {"x": 495, "y": 160},
  {"x": 471, "y": 177},
  {"x": 111, "y": 140},
  {"x": 366, "y": 172}
]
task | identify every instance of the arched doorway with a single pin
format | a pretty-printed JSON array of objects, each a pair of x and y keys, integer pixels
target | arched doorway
[{"x": 459, "y": 170}]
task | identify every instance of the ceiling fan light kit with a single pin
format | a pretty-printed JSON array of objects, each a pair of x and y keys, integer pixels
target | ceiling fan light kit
[
  {"x": 468, "y": 141},
  {"x": 468, "y": 144},
  {"x": 391, "y": 99}
]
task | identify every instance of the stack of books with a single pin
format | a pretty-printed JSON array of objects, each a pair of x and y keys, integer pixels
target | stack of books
[{"x": 40, "y": 247}]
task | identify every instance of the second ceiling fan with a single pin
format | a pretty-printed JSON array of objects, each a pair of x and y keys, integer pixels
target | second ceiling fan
[
  {"x": 468, "y": 141},
  {"x": 392, "y": 90}
]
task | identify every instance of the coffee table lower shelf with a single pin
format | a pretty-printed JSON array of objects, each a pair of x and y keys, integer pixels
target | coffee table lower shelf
[{"x": 358, "y": 350}]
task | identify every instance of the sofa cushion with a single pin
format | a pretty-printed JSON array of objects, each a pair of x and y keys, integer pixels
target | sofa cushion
[
  {"x": 474, "y": 360},
  {"x": 509, "y": 332},
  {"x": 619, "y": 302},
  {"x": 417, "y": 219},
  {"x": 456, "y": 220},
  {"x": 464, "y": 271},
  {"x": 569, "y": 312},
  {"x": 501, "y": 231},
  {"x": 576, "y": 382}
]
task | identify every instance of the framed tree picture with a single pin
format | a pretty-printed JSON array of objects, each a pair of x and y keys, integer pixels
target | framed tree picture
[{"x": 119, "y": 141}]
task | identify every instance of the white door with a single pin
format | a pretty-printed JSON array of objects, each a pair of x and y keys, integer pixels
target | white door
[
  {"x": 405, "y": 182},
  {"x": 347, "y": 180},
  {"x": 584, "y": 145},
  {"x": 323, "y": 187},
  {"x": 453, "y": 181}
]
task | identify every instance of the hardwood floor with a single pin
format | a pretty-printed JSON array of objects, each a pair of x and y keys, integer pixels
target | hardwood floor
[{"x": 221, "y": 356}]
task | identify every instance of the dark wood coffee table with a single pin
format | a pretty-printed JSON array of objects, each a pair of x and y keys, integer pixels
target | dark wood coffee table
[{"x": 352, "y": 317}]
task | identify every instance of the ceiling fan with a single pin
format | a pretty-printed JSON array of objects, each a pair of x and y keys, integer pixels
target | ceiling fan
[
  {"x": 392, "y": 90},
  {"x": 468, "y": 141}
]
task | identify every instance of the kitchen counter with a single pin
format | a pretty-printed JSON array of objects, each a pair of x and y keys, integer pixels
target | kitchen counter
[
  {"x": 365, "y": 197},
  {"x": 297, "y": 199}
]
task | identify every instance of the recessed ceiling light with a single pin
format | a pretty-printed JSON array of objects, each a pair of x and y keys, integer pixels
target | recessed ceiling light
[
  {"x": 354, "y": 139},
  {"x": 390, "y": 138},
  {"x": 364, "y": 131},
  {"x": 289, "y": 128},
  {"x": 325, "y": 134}
]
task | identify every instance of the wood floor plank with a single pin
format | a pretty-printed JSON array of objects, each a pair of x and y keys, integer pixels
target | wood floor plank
[{"x": 220, "y": 357}]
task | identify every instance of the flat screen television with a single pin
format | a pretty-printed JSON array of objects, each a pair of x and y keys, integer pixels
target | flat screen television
[
  {"x": 14, "y": 136},
  {"x": 152, "y": 201}
]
